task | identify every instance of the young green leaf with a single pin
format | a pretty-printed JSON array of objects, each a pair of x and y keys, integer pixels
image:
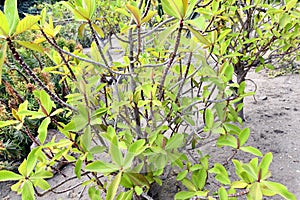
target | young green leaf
[
  {"x": 255, "y": 191},
  {"x": 27, "y": 191},
  {"x": 31, "y": 161},
  {"x": 30, "y": 45},
  {"x": 171, "y": 8},
  {"x": 265, "y": 164},
  {"x": 115, "y": 152},
  {"x": 184, "y": 195},
  {"x": 101, "y": 167},
  {"x": 6, "y": 175},
  {"x": 175, "y": 141},
  {"x": 222, "y": 193},
  {"x": 43, "y": 129},
  {"x": 8, "y": 123},
  {"x": 136, "y": 13},
  {"x": 199, "y": 36},
  {"x": 279, "y": 189},
  {"x": 125, "y": 195},
  {"x": 26, "y": 24},
  {"x": 243, "y": 136},
  {"x": 11, "y": 13},
  {"x": 113, "y": 187},
  {"x": 2, "y": 58},
  {"x": 209, "y": 118},
  {"x": 4, "y": 27},
  {"x": 94, "y": 194},
  {"x": 252, "y": 150}
]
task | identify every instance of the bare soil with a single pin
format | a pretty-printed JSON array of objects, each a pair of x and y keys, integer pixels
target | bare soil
[{"x": 274, "y": 119}]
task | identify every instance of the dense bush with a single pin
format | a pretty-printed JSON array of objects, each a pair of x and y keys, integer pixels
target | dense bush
[{"x": 136, "y": 117}]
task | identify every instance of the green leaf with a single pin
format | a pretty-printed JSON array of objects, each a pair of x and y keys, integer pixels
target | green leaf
[
  {"x": 78, "y": 167},
  {"x": 175, "y": 141},
  {"x": 190, "y": 8},
  {"x": 184, "y": 195},
  {"x": 199, "y": 178},
  {"x": 243, "y": 136},
  {"x": 8, "y": 123},
  {"x": 199, "y": 36},
  {"x": 101, "y": 167},
  {"x": 30, "y": 45},
  {"x": 209, "y": 118},
  {"x": 94, "y": 194},
  {"x": 98, "y": 30},
  {"x": 239, "y": 184},
  {"x": 252, "y": 150},
  {"x": 125, "y": 195},
  {"x": 137, "y": 179},
  {"x": 46, "y": 101},
  {"x": 223, "y": 35},
  {"x": 43, "y": 129},
  {"x": 4, "y": 27},
  {"x": 26, "y": 24},
  {"x": 265, "y": 164},
  {"x": 6, "y": 175},
  {"x": 11, "y": 13},
  {"x": 279, "y": 189},
  {"x": 136, "y": 13},
  {"x": 255, "y": 191},
  {"x": 2, "y": 58},
  {"x": 291, "y": 4},
  {"x": 222, "y": 193},
  {"x": 149, "y": 16},
  {"x": 171, "y": 9},
  {"x": 81, "y": 30},
  {"x": 31, "y": 161},
  {"x": 57, "y": 111},
  {"x": 86, "y": 138},
  {"x": 113, "y": 187},
  {"x": 90, "y": 6},
  {"x": 188, "y": 184},
  {"x": 163, "y": 36},
  {"x": 181, "y": 175},
  {"x": 27, "y": 191},
  {"x": 115, "y": 152},
  {"x": 221, "y": 173},
  {"x": 41, "y": 183},
  {"x": 137, "y": 147}
]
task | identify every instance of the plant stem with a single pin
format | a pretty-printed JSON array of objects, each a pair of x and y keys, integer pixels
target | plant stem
[
  {"x": 171, "y": 60},
  {"x": 34, "y": 77}
]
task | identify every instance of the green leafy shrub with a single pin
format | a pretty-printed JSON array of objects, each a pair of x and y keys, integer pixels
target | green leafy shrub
[{"x": 134, "y": 118}]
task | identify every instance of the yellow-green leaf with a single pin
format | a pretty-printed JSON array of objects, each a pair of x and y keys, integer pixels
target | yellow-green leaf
[
  {"x": 30, "y": 45},
  {"x": 199, "y": 36},
  {"x": 98, "y": 30},
  {"x": 81, "y": 30},
  {"x": 2, "y": 58},
  {"x": 6, "y": 175},
  {"x": 171, "y": 9},
  {"x": 11, "y": 13},
  {"x": 8, "y": 123},
  {"x": 113, "y": 187},
  {"x": 26, "y": 23},
  {"x": 90, "y": 6},
  {"x": 4, "y": 27},
  {"x": 136, "y": 13},
  {"x": 149, "y": 16}
]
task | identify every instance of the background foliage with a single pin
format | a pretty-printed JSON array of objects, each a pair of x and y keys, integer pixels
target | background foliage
[{"x": 179, "y": 84}]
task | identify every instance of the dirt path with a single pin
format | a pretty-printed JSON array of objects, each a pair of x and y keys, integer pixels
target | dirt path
[
  {"x": 275, "y": 126},
  {"x": 274, "y": 119}
]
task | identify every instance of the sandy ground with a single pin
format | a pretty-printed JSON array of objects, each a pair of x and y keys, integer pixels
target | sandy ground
[{"x": 274, "y": 119}]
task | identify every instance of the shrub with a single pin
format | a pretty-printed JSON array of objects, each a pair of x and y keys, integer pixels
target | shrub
[{"x": 167, "y": 95}]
